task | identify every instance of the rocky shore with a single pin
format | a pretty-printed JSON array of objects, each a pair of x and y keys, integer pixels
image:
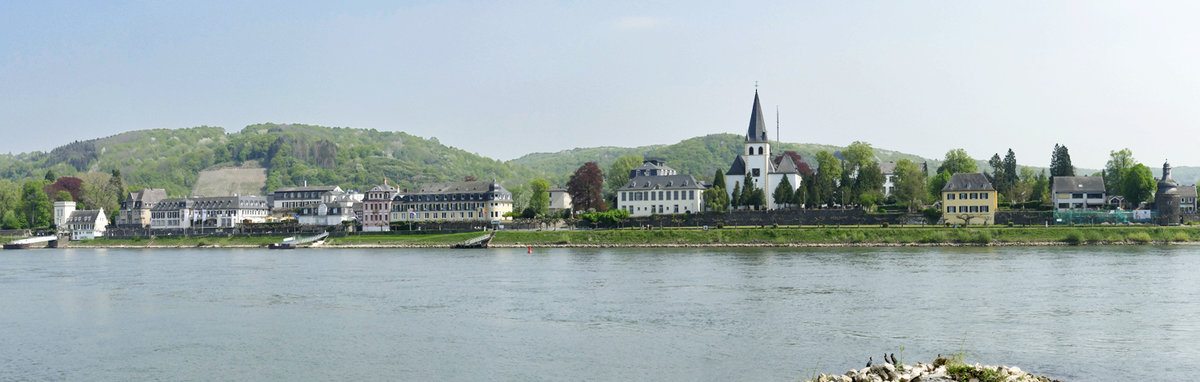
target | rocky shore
[{"x": 941, "y": 370}]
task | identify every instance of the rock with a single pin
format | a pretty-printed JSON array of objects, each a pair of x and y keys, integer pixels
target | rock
[{"x": 933, "y": 378}]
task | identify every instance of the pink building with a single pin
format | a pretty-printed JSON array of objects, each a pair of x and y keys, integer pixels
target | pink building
[{"x": 377, "y": 207}]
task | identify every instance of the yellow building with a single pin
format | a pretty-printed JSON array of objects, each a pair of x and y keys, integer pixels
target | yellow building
[{"x": 969, "y": 199}]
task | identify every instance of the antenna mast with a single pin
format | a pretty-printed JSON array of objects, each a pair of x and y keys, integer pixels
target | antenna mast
[{"x": 777, "y": 138}]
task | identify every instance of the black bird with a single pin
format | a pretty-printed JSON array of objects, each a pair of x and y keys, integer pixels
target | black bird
[
  {"x": 894, "y": 361},
  {"x": 885, "y": 358},
  {"x": 869, "y": 359}
]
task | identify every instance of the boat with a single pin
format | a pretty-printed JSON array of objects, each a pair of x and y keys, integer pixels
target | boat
[
  {"x": 50, "y": 242},
  {"x": 292, "y": 242}
]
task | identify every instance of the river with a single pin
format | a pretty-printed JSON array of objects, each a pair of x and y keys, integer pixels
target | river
[{"x": 758, "y": 314}]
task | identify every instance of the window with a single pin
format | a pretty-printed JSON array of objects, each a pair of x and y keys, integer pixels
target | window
[
  {"x": 983, "y": 195},
  {"x": 974, "y": 208},
  {"x": 1095, "y": 196},
  {"x": 622, "y": 196},
  {"x": 677, "y": 194},
  {"x": 950, "y": 196},
  {"x": 760, "y": 151},
  {"x": 652, "y": 195},
  {"x": 974, "y": 195},
  {"x": 962, "y": 195},
  {"x": 660, "y": 195},
  {"x": 692, "y": 195},
  {"x": 950, "y": 209},
  {"x": 751, "y": 151},
  {"x": 1077, "y": 196},
  {"x": 983, "y": 208}
]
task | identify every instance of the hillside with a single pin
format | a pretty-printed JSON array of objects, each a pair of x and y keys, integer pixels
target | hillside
[{"x": 293, "y": 154}]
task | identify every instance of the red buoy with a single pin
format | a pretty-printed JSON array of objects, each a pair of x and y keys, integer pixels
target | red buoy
[{"x": 531, "y": 249}]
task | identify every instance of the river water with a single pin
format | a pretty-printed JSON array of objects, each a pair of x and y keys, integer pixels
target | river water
[{"x": 1074, "y": 313}]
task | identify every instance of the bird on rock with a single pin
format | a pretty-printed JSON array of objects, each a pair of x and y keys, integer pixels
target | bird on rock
[
  {"x": 869, "y": 359},
  {"x": 894, "y": 361}
]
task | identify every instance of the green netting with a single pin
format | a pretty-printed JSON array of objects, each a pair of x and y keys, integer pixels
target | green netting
[{"x": 1103, "y": 216}]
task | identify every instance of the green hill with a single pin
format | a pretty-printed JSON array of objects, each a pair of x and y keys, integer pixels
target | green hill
[{"x": 352, "y": 158}]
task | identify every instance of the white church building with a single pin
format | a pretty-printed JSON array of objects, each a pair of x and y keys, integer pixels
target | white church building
[{"x": 765, "y": 170}]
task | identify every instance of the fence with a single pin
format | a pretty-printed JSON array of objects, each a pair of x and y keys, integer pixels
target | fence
[{"x": 1079, "y": 217}]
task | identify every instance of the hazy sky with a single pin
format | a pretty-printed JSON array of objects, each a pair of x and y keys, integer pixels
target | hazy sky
[{"x": 507, "y": 78}]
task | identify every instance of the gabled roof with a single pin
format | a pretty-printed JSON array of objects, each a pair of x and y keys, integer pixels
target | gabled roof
[
  {"x": 672, "y": 182},
  {"x": 89, "y": 216},
  {"x": 309, "y": 188},
  {"x": 1078, "y": 184},
  {"x": 787, "y": 163},
  {"x": 968, "y": 182},
  {"x": 757, "y": 132},
  {"x": 147, "y": 196},
  {"x": 738, "y": 167},
  {"x": 1187, "y": 191}
]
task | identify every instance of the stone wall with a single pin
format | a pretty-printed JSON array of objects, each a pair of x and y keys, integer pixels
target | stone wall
[
  {"x": 847, "y": 217},
  {"x": 1025, "y": 217}
]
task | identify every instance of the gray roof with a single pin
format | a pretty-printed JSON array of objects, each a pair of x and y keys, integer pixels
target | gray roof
[
  {"x": 757, "y": 132},
  {"x": 457, "y": 187},
  {"x": 89, "y": 216},
  {"x": 676, "y": 182},
  {"x": 968, "y": 182},
  {"x": 652, "y": 167},
  {"x": 308, "y": 188},
  {"x": 147, "y": 196},
  {"x": 738, "y": 167},
  {"x": 889, "y": 168},
  {"x": 212, "y": 203},
  {"x": 1187, "y": 191},
  {"x": 1078, "y": 184}
]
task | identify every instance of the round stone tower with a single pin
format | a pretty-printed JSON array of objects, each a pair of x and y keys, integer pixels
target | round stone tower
[{"x": 1166, "y": 199}]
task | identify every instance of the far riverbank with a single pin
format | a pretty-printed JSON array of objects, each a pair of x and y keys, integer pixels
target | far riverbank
[{"x": 727, "y": 237}]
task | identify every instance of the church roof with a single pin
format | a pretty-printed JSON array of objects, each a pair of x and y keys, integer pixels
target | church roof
[
  {"x": 757, "y": 132},
  {"x": 738, "y": 167}
]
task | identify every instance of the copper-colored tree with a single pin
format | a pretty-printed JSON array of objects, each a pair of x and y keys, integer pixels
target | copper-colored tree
[{"x": 586, "y": 188}]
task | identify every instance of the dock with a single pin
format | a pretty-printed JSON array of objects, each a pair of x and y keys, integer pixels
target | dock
[
  {"x": 33, "y": 242},
  {"x": 478, "y": 242}
]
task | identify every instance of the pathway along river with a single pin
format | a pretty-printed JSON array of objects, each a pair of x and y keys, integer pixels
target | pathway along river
[{"x": 1074, "y": 313}]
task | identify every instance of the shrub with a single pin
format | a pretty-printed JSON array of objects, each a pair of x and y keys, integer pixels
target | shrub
[
  {"x": 982, "y": 237},
  {"x": 1180, "y": 236},
  {"x": 1139, "y": 237},
  {"x": 720, "y": 225},
  {"x": 884, "y": 225},
  {"x": 1010, "y": 224},
  {"x": 1073, "y": 238}
]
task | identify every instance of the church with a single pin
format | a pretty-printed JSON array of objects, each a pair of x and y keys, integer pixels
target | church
[{"x": 766, "y": 171}]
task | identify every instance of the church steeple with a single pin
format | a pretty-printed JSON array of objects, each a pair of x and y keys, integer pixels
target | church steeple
[{"x": 757, "y": 133}]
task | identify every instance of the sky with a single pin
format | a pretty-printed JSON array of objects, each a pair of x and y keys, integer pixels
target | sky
[{"x": 503, "y": 79}]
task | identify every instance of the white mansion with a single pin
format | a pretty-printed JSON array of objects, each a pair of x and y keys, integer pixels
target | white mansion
[{"x": 654, "y": 188}]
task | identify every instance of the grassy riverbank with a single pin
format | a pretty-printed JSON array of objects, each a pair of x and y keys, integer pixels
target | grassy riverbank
[{"x": 783, "y": 236}]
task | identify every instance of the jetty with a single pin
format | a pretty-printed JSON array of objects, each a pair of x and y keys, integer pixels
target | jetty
[
  {"x": 33, "y": 242},
  {"x": 478, "y": 242},
  {"x": 293, "y": 242}
]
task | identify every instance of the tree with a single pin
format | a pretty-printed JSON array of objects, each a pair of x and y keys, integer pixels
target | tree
[
  {"x": 1119, "y": 162},
  {"x": 812, "y": 195},
  {"x": 618, "y": 174},
  {"x": 869, "y": 182},
  {"x": 586, "y": 188},
  {"x": 858, "y": 154},
  {"x": 36, "y": 204},
  {"x": 748, "y": 191},
  {"x": 1139, "y": 185},
  {"x": 957, "y": 161},
  {"x": 1010, "y": 169},
  {"x": 10, "y": 204},
  {"x": 539, "y": 197},
  {"x": 1041, "y": 188},
  {"x": 719, "y": 179},
  {"x": 937, "y": 183},
  {"x": 784, "y": 193},
  {"x": 910, "y": 184},
  {"x": 715, "y": 199},
  {"x": 735, "y": 199},
  {"x": 800, "y": 194},
  {"x": 997, "y": 166},
  {"x": 1060, "y": 162},
  {"x": 50, "y": 176},
  {"x": 63, "y": 196},
  {"x": 829, "y": 170}
]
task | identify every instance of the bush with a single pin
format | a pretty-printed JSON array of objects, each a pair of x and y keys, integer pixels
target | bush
[
  {"x": 1139, "y": 237},
  {"x": 1073, "y": 238},
  {"x": 884, "y": 225},
  {"x": 1180, "y": 236},
  {"x": 720, "y": 225},
  {"x": 932, "y": 215}
]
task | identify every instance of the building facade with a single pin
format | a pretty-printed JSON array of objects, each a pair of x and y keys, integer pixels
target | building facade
[
  {"x": 968, "y": 198},
  {"x": 377, "y": 208},
  {"x": 135, "y": 209},
  {"x": 208, "y": 212},
  {"x": 890, "y": 177},
  {"x": 295, "y": 198},
  {"x": 560, "y": 200},
  {"x": 1167, "y": 198},
  {"x": 455, "y": 201},
  {"x": 1187, "y": 199},
  {"x": 327, "y": 214},
  {"x": 1079, "y": 193},
  {"x": 765, "y": 171},
  {"x": 86, "y": 224},
  {"x": 654, "y": 188}
]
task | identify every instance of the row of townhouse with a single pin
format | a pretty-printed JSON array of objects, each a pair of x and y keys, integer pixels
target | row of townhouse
[{"x": 441, "y": 201}]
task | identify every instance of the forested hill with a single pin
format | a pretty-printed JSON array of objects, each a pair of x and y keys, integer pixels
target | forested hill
[
  {"x": 361, "y": 158},
  {"x": 293, "y": 154},
  {"x": 700, "y": 156}
]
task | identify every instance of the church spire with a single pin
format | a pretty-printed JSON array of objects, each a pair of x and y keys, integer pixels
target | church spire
[{"x": 758, "y": 130}]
